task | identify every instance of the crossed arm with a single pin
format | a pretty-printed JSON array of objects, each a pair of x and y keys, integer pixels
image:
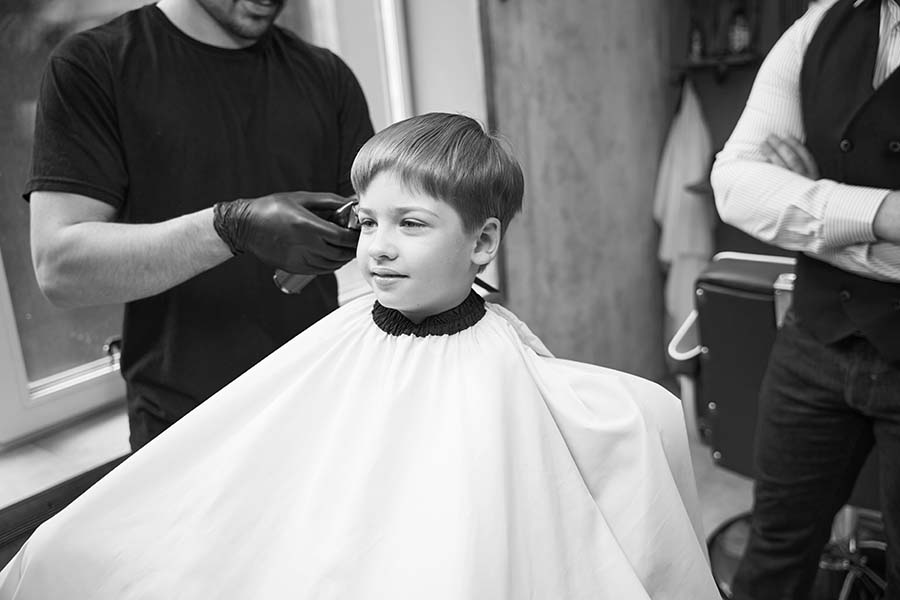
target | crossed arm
[{"x": 790, "y": 154}]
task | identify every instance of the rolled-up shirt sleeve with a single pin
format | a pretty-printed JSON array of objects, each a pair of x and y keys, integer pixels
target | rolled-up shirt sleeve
[{"x": 824, "y": 218}]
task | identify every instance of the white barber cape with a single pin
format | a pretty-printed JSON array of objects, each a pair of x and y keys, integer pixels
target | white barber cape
[{"x": 358, "y": 463}]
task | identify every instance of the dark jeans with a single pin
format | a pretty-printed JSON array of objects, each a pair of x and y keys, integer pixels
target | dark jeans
[
  {"x": 148, "y": 416},
  {"x": 822, "y": 408},
  {"x": 144, "y": 426}
]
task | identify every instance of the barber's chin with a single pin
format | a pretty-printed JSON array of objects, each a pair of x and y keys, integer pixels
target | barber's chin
[{"x": 255, "y": 19}]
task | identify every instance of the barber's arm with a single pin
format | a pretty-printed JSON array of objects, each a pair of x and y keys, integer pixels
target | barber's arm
[
  {"x": 789, "y": 153},
  {"x": 83, "y": 257},
  {"x": 887, "y": 220},
  {"x": 783, "y": 204}
]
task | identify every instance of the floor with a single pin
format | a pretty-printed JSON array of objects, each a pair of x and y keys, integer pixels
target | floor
[
  {"x": 38, "y": 464},
  {"x": 723, "y": 494},
  {"x": 34, "y": 466}
]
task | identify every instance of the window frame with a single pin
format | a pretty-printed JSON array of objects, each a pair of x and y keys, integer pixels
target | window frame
[{"x": 29, "y": 408}]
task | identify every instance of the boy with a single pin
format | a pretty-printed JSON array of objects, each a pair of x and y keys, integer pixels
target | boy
[{"x": 424, "y": 445}]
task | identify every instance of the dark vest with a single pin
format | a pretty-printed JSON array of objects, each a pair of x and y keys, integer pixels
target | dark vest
[{"x": 853, "y": 132}]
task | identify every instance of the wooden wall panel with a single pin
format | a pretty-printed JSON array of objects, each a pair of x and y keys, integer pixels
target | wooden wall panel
[{"x": 582, "y": 90}]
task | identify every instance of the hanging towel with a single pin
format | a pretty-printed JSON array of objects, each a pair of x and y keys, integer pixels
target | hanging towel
[{"x": 686, "y": 218}]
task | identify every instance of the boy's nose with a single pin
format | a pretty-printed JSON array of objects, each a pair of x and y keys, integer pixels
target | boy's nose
[{"x": 381, "y": 246}]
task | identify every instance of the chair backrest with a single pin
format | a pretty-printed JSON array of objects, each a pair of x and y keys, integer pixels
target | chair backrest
[{"x": 740, "y": 302}]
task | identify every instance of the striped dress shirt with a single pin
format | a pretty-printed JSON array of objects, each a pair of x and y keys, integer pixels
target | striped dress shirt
[{"x": 825, "y": 219}]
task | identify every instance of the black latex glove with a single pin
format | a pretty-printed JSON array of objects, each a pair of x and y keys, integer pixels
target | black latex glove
[{"x": 283, "y": 230}]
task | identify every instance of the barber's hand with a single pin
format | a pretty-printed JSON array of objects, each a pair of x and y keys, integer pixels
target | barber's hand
[
  {"x": 285, "y": 231},
  {"x": 790, "y": 154}
]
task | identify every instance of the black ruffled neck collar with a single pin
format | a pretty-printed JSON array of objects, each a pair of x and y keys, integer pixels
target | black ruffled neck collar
[{"x": 461, "y": 317}]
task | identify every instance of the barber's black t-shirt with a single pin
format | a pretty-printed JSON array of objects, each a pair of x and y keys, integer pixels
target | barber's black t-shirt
[{"x": 137, "y": 114}]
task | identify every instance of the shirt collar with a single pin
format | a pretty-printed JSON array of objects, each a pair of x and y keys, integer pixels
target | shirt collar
[
  {"x": 858, "y": 3},
  {"x": 890, "y": 15}
]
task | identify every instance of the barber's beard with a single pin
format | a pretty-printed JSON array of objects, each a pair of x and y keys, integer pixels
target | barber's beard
[
  {"x": 253, "y": 18},
  {"x": 245, "y": 19}
]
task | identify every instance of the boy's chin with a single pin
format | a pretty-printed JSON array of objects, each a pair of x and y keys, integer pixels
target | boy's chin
[
  {"x": 388, "y": 300},
  {"x": 416, "y": 309},
  {"x": 414, "y": 314}
]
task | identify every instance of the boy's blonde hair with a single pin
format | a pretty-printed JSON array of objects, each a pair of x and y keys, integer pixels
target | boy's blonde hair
[{"x": 451, "y": 158}]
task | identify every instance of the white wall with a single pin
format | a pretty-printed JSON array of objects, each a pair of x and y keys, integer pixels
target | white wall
[
  {"x": 444, "y": 48},
  {"x": 446, "y": 57}
]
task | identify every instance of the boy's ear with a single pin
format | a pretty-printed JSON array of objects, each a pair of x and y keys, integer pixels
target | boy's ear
[{"x": 487, "y": 243}]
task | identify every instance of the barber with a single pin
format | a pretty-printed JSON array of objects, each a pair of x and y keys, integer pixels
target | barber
[{"x": 169, "y": 147}]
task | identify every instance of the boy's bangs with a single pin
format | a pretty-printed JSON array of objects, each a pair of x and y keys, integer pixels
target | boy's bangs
[{"x": 450, "y": 158}]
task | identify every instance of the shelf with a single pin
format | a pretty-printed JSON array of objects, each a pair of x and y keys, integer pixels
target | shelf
[
  {"x": 725, "y": 60},
  {"x": 721, "y": 64}
]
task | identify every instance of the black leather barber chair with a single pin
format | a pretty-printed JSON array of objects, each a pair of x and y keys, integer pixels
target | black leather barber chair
[{"x": 739, "y": 304}]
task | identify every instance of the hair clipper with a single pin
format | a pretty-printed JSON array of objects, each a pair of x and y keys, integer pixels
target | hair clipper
[{"x": 293, "y": 283}]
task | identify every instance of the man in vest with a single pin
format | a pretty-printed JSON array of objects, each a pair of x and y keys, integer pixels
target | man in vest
[{"x": 813, "y": 165}]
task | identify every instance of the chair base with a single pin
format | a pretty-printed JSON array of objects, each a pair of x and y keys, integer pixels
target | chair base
[{"x": 851, "y": 569}]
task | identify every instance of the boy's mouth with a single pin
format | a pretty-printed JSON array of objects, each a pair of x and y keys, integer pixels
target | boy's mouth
[{"x": 384, "y": 274}]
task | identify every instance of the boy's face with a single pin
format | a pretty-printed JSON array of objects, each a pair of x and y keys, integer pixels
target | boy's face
[{"x": 413, "y": 250}]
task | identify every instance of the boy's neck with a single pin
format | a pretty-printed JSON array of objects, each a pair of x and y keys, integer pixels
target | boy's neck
[{"x": 419, "y": 317}]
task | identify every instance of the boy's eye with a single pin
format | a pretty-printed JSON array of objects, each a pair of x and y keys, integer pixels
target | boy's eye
[
  {"x": 411, "y": 223},
  {"x": 366, "y": 223}
]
